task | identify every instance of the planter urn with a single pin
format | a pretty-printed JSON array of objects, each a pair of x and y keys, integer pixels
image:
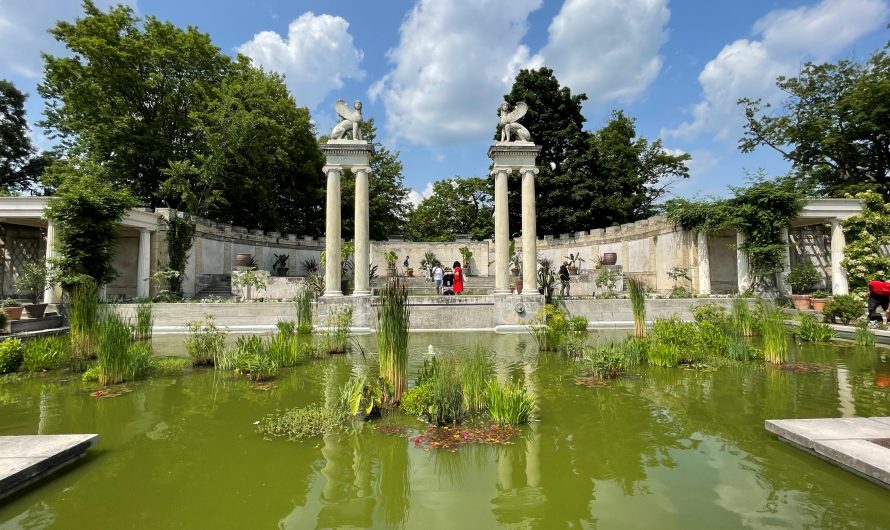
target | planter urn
[
  {"x": 409, "y": 272},
  {"x": 282, "y": 271},
  {"x": 13, "y": 313},
  {"x": 242, "y": 259},
  {"x": 818, "y": 304},
  {"x": 610, "y": 258},
  {"x": 801, "y": 301},
  {"x": 35, "y": 310}
]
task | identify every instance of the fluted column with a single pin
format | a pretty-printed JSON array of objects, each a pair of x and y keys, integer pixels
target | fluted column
[
  {"x": 839, "y": 283},
  {"x": 52, "y": 293},
  {"x": 362, "y": 243},
  {"x": 743, "y": 274},
  {"x": 786, "y": 265},
  {"x": 704, "y": 263},
  {"x": 332, "y": 234},
  {"x": 529, "y": 233},
  {"x": 501, "y": 231},
  {"x": 144, "y": 264}
]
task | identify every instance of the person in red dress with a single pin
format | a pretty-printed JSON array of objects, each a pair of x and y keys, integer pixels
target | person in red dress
[
  {"x": 878, "y": 296},
  {"x": 458, "y": 278}
]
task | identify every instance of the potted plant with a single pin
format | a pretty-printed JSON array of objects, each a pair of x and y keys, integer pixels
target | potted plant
[
  {"x": 609, "y": 258},
  {"x": 574, "y": 260},
  {"x": 33, "y": 279},
  {"x": 818, "y": 299},
  {"x": 12, "y": 308},
  {"x": 280, "y": 265},
  {"x": 515, "y": 263},
  {"x": 243, "y": 259},
  {"x": 248, "y": 280},
  {"x": 390, "y": 257},
  {"x": 466, "y": 255},
  {"x": 802, "y": 278},
  {"x": 546, "y": 279}
]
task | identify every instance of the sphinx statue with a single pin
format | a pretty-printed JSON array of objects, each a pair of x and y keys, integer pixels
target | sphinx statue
[
  {"x": 508, "y": 122},
  {"x": 352, "y": 119}
]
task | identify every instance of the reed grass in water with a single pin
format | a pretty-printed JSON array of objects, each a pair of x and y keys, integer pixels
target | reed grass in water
[
  {"x": 741, "y": 317},
  {"x": 83, "y": 318},
  {"x": 864, "y": 337},
  {"x": 142, "y": 328},
  {"x": 120, "y": 359},
  {"x": 775, "y": 335},
  {"x": 477, "y": 370},
  {"x": 638, "y": 305},
  {"x": 393, "y": 323},
  {"x": 510, "y": 404},
  {"x": 304, "y": 312}
]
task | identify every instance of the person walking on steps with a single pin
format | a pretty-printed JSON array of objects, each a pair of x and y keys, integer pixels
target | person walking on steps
[
  {"x": 458, "y": 278},
  {"x": 564, "y": 279},
  {"x": 438, "y": 273}
]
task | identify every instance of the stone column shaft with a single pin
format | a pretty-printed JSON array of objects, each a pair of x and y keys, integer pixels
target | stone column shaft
[
  {"x": 704, "y": 263},
  {"x": 529, "y": 233},
  {"x": 362, "y": 244},
  {"x": 786, "y": 265},
  {"x": 332, "y": 234},
  {"x": 52, "y": 293},
  {"x": 501, "y": 231},
  {"x": 839, "y": 283},
  {"x": 742, "y": 267},
  {"x": 143, "y": 266}
]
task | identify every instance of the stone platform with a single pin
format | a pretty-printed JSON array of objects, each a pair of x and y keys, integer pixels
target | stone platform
[
  {"x": 860, "y": 445},
  {"x": 26, "y": 459}
]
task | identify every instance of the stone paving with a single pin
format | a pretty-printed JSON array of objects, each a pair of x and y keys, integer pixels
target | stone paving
[
  {"x": 847, "y": 442},
  {"x": 25, "y": 459}
]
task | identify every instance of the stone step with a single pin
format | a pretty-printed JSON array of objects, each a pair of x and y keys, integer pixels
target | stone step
[{"x": 26, "y": 459}]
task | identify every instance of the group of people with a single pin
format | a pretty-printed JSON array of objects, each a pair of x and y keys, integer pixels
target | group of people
[{"x": 446, "y": 283}]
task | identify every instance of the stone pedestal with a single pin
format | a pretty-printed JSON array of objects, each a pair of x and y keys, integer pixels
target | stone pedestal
[
  {"x": 520, "y": 157},
  {"x": 341, "y": 155}
]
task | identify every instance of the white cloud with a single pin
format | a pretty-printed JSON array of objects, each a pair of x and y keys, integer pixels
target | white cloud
[
  {"x": 785, "y": 38},
  {"x": 416, "y": 198},
  {"x": 456, "y": 59},
  {"x": 607, "y": 48},
  {"x": 316, "y": 57},
  {"x": 23, "y": 31}
]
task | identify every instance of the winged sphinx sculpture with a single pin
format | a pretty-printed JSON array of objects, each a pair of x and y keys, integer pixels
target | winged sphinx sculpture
[
  {"x": 508, "y": 124},
  {"x": 352, "y": 119}
]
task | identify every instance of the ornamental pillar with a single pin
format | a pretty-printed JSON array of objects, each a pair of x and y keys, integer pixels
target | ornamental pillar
[
  {"x": 704, "y": 263},
  {"x": 743, "y": 272},
  {"x": 501, "y": 230},
  {"x": 362, "y": 241},
  {"x": 144, "y": 265},
  {"x": 839, "y": 283},
  {"x": 332, "y": 234},
  {"x": 529, "y": 232}
]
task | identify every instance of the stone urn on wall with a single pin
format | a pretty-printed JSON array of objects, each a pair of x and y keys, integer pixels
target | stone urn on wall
[
  {"x": 242, "y": 259},
  {"x": 610, "y": 258}
]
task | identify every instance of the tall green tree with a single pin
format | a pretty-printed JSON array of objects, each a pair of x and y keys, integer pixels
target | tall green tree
[
  {"x": 15, "y": 142},
  {"x": 388, "y": 197},
  {"x": 457, "y": 206},
  {"x": 834, "y": 126},
  {"x": 126, "y": 92}
]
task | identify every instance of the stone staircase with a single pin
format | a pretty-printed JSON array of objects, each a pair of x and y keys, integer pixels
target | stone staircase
[
  {"x": 216, "y": 285},
  {"x": 418, "y": 286}
]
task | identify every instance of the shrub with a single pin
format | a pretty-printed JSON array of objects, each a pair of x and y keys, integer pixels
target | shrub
[
  {"x": 44, "y": 353},
  {"x": 711, "y": 340},
  {"x": 579, "y": 324},
  {"x": 844, "y": 307},
  {"x": 303, "y": 422},
  {"x": 664, "y": 354},
  {"x": 711, "y": 313},
  {"x": 206, "y": 342},
  {"x": 417, "y": 401},
  {"x": 510, "y": 404},
  {"x": 10, "y": 355},
  {"x": 808, "y": 330},
  {"x": 802, "y": 277},
  {"x": 684, "y": 336}
]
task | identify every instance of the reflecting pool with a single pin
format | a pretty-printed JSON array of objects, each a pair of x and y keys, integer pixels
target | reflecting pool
[{"x": 662, "y": 448}]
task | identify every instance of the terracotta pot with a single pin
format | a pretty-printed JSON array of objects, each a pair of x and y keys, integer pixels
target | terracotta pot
[
  {"x": 35, "y": 310},
  {"x": 13, "y": 313},
  {"x": 801, "y": 301},
  {"x": 242, "y": 259},
  {"x": 409, "y": 272},
  {"x": 573, "y": 270},
  {"x": 610, "y": 258},
  {"x": 818, "y": 304}
]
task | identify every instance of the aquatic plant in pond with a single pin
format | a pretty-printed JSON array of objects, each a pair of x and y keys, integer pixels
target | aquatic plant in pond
[
  {"x": 476, "y": 370},
  {"x": 864, "y": 336},
  {"x": 447, "y": 392},
  {"x": 738, "y": 349},
  {"x": 509, "y": 404},
  {"x": 206, "y": 342},
  {"x": 417, "y": 401},
  {"x": 120, "y": 359},
  {"x": 550, "y": 328},
  {"x": 393, "y": 324},
  {"x": 83, "y": 320},
  {"x": 638, "y": 305},
  {"x": 304, "y": 311},
  {"x": 142, "y": 327},
  {"x": 44, "y": 353},
  {"x": 741, "y": 317},
  {"x": 10, "y": 355},
  {"x": 251, "y": 356},
  {"x": 336, "y": 337},
  {"x": 808, "y": 330},
  {"x": 663, "y": 354},
  {"x": 302, "y": 422},
  {"x": 685, "y": 338},
  {"x": 362, "y": 396},
  {"x": 165, "y": 366},
  {"x": 774, "y": 333},
  {"x": 606, "y": 362},
  {"x": 711, "y": 313}
]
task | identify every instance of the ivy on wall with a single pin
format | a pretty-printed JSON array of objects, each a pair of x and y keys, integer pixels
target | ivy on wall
[
  {"x": 760, "y": 211},
  {"x": 180, "y": 234},
  {"x": 867, "y": 236}
]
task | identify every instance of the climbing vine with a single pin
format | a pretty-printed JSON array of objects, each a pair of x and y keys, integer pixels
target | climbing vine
[
  {"x": 180, "y": 232},
  {"x": 760, "y": 211},
  {"x": 867, "y": 236}
]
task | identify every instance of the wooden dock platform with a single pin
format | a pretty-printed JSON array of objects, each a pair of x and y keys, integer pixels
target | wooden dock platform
[
  {"x": 26, "y": 459},
  {"x": 859, "y": 445}
]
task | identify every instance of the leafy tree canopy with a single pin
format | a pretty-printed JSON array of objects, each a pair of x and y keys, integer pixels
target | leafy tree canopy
[
  {"x": 18, "y": 166},
  {"x": 457, "y": 206},
  {"x": 834, "y": 127}
]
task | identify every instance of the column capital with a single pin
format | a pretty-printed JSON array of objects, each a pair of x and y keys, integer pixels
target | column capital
[
  {"x": 501, "y": 169},
  {"x": 366, "y": 169},
  {"x": 332, "y": 167},
  {"x": 533, "y": 169}
]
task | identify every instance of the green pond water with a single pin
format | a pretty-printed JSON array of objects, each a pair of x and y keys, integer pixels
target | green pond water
[{"x": 664, "y": 448}]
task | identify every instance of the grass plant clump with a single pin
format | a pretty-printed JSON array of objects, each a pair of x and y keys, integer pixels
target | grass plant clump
[
  {"x": 336, "y": 337},
  {"x": 206, "y": 342},
  {"x": 808, "y": 330},
  {"x": 607, "y": 362},
  {"x": 83, "y": 320},
  {"x": 169, "y": 365},
  {"x": 285, "y": 349},
  {"x": 638, "y": 305},
  {"x": 120, "y": 359},
  {"x": 509, "y": 404},
  {"x": 664, "y": 354},
  {"x": 447, "y": 392},
  {"x": 142, "y": 327},
  {"x": 685, "y": 337},
  {"x": 864, "y": 337},
  {"x": 302, "y": 422},
  {"x": 775, "y": 335},
  {"x": 393, "y": 324},
  {"x": 11, "y": 355},
  {"x": 550, "y": 328},
  {"x": 252, "y": 357},
  {"x": 741, "y": 317},
  {"x": 44, "y": 353},
  {"x": 738, "y": 349},
  {"x": 477, "y": 369},
  {"x": 711, "y": 314},
  {"x": 304, "y": 311}
]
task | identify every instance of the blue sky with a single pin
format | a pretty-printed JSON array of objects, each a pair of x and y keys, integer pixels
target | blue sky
[{"x": 432, "y": 72}]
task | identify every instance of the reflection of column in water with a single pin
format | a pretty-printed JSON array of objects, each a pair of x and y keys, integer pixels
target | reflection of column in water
[
  {"x": 533, "y": 441},
  {"x": 505, "y": 468},
  {"x": 394, "y": 487},
  {"x": 331, "y": 391},
  {"x": 361, "y": 468},
  {"x": 331, "y": 469},
  {"x": 845, "y": 394},
  {"x": 41, "y": 425}
]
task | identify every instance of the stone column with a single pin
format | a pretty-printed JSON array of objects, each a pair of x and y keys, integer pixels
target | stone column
[
  {"x": 501, "y": 231},
  {"x": 786, "y": 265},
  {"x": 52, "y": 293},
  {"x": 838, "y": 273},
  {"x": 742, "y": 267},
  {"x": 362, "y": 244},
  {"x": 144, "y": 264},
  {"x": 332, "y": 234},
  {"x": 529, "y": 232},
  {"x": 704, "y": 263}
]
